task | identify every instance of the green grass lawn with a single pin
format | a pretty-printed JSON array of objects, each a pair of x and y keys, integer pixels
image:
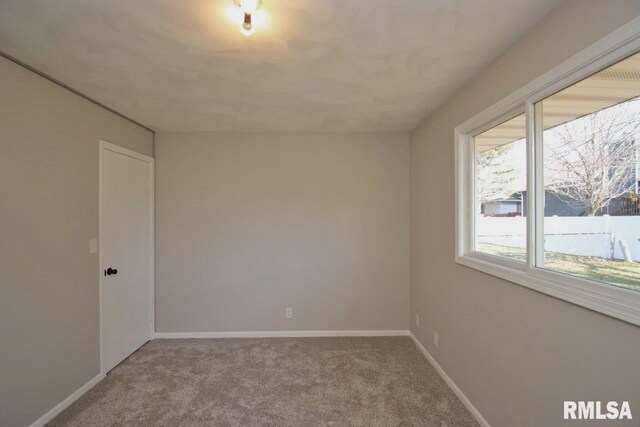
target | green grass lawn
[{"x": 620, "y": 273}]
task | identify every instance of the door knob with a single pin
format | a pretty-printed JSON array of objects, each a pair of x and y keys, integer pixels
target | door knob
[{"x": 109, "y": 271}]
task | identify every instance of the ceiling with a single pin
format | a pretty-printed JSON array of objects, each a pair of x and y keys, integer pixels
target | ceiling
[{"x": 316, "y": 65}]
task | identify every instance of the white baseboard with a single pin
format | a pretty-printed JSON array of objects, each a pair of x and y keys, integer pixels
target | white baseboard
[
  {"x": 281, "y": 334},
  {"x": 273, "y": 334},
  {"x": 66, "y": 402},
  {"x": 465, "y": 400}
]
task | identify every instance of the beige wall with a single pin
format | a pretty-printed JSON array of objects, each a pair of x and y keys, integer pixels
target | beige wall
[
  {"x": 49, "y": 211},
  {"x": 249, "y": 224},
  {"x": 517, "y": 354}
]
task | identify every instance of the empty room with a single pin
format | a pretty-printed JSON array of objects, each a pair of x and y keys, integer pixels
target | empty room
[{"x": 320, "y": 213}]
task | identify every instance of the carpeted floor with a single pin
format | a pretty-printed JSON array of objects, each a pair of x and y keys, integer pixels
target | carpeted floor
[{"x": 377, "y": 381}]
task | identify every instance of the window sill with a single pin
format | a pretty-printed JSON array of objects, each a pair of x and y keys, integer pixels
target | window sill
[{"x": 620, "y": 303}]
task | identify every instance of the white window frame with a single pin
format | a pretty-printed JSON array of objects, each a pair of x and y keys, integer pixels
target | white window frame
[{"x": 611, "y": 300}]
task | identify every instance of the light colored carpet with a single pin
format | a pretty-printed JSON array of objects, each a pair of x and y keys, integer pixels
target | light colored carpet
[{"x": 377, "y": 381}]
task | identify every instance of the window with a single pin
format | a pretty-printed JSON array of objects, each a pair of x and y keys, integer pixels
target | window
[
  {"x": 500, "y": 185},
  {"x": 591, "y": 169},
  {"x": 548, "y": 182}
]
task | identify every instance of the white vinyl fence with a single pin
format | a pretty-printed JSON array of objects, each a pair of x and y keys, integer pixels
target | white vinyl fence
[{"x": 599, "y": 236}]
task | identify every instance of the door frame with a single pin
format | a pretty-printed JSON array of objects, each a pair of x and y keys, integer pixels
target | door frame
[{"x": 107, "y": 146}]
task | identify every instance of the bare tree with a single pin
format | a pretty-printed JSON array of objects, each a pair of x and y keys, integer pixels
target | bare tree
[
  {"x": 593, "y": 159},
  {"x": 495, "y": 176}
]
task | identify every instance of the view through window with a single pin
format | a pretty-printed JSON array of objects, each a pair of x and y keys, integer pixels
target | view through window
[
  {"x": 500, "y": 185},
  {"x": 589, "y": 134},
  {"x": 591, "y": 170}
]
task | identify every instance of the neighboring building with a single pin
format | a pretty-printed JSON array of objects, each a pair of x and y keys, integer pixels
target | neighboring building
[
  {"x": 511, "y": 206},
  {"x": 516, "y": 205},
  {"x": 558, "y": 205}
]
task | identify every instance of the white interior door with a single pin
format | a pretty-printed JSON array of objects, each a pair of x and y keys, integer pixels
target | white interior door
[{"x": 126, "y": 252}]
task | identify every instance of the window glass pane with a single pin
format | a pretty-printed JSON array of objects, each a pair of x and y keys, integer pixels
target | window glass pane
[
  {"x": 500, "y": 184},
  {"x": 591, "y": 171}
]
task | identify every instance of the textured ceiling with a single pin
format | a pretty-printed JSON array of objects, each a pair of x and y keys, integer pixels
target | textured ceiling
[{"x": 316, "y": 65}]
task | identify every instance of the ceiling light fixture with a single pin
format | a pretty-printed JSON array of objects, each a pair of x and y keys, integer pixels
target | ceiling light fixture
[{"x": 249, "y": 9}]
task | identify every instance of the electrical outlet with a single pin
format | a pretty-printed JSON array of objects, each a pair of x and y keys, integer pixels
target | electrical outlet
[
  {"x": 436, "y": 338},
  {"x": 288, "y": 312},
  {"x": 417, "y": 320}
]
